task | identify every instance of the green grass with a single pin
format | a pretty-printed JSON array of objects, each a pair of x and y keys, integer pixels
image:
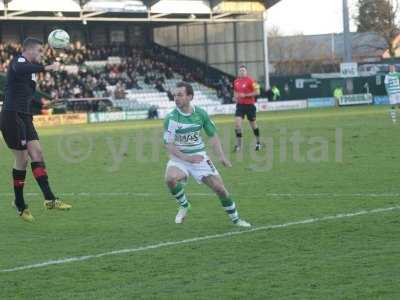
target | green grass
[{"x": 347, "y": 258}]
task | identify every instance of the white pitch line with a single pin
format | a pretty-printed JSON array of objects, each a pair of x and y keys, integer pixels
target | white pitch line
[
  {"x": 120, "y": 194},
  {"x": 196, "y": 239}
]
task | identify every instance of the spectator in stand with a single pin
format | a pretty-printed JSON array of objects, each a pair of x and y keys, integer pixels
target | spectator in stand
[
  {"x": 119, "y": 92},
  {"x": 159, "y": 87},
  {"x": 169, "y": 73},
  {"x": 188, "y": 77},
  {"x": 153, "y": 112},
  {"x": 224, "y": 90},
  {"x": 226, "y": 95}
]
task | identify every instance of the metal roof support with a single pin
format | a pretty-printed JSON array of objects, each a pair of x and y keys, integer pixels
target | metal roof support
[
  {"x": 221, "y": 15},
  {"x": 17, "y": 13},
  {"x": 159, "y": 15},
  {"x": 93, "y": 14}
]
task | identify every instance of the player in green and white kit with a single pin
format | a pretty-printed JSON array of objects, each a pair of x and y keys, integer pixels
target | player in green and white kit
[
  {"x": 392, "y": 84},
  {"x": 188, "y": 156}
]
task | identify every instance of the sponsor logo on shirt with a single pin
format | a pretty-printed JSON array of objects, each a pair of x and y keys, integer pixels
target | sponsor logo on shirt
[{"x": 188, "y": 138}]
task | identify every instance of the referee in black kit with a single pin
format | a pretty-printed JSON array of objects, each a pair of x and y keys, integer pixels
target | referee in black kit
[{"x": 16, "y": 124}]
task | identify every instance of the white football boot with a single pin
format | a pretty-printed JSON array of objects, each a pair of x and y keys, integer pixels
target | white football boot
[
  {"x": 181, "y": 215},
  {"x": 242, "y": 223}
]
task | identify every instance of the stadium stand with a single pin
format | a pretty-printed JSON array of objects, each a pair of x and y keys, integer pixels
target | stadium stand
[{"x": 132, "y": 78}]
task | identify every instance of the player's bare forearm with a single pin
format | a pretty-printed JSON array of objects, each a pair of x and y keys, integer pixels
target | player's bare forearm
[
  {"x": 217, "y": 146},
  {"x": 173, "y": 150}
]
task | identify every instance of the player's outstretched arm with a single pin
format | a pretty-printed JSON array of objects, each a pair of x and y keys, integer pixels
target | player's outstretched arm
[
  {"x": 23, "y": 67},
  {"x": 217, "y": 146}
]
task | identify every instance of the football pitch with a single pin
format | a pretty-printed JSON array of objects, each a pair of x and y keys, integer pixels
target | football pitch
[{"x": 323, "y": 196}]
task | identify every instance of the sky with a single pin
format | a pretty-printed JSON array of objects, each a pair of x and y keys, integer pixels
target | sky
[{"x": 309, "y": 16}]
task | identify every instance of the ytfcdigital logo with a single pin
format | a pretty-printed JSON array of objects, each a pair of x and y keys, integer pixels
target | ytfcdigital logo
[
  {"x": 146, "y": 146},
  {"x": 293, "y": 146},
  {"x": 76, "y": 147}
]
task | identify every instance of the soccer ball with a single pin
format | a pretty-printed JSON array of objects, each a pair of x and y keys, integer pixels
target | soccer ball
[{"x": 58, "y": 39}]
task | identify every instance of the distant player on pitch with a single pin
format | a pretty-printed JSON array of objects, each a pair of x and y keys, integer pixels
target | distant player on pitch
[
  {"x": 392, "y": 84},
  {"x": 246, "y": 89},
  {"x": 188, "y": 155},
  {"x": 17, "y": 126}
]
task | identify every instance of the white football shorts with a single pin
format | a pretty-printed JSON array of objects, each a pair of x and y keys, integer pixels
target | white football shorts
[
  {"x": 197, "y": 171},
  {"x": 394, "y": 99}
]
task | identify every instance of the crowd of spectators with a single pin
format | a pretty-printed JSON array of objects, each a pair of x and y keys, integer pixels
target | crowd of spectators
[
  {"x": 86, "y": 81},
  {"x": 94, "y": 81},
  {"x": 7, "y": 52}
]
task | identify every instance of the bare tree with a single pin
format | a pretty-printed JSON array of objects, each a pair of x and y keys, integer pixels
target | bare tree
[
  {"x": 299, "y": 54},
  {"x": 380, "y": 16}
]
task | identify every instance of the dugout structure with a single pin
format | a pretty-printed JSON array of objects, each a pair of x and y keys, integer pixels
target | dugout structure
[{"x": 222, "y": 34}]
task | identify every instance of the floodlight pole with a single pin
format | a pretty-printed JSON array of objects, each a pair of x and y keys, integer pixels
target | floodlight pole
[
  {"x": 266, "y": 58},
  {"x": 348, "y": 56},
  {"x": 346, "y": 33}
]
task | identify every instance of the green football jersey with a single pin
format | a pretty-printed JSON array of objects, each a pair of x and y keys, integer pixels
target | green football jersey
[
  {"x": 183, "y": 130},
  {"x": 392, "y": 83}
]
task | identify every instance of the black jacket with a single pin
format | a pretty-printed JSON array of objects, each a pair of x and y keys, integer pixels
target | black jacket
[{"x": 20, "y": 85}]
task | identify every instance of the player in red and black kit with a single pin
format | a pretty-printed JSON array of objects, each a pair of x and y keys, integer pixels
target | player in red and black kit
[
  {"x": 246, "y": 90},
  {"x": 16, "y": 124}
]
